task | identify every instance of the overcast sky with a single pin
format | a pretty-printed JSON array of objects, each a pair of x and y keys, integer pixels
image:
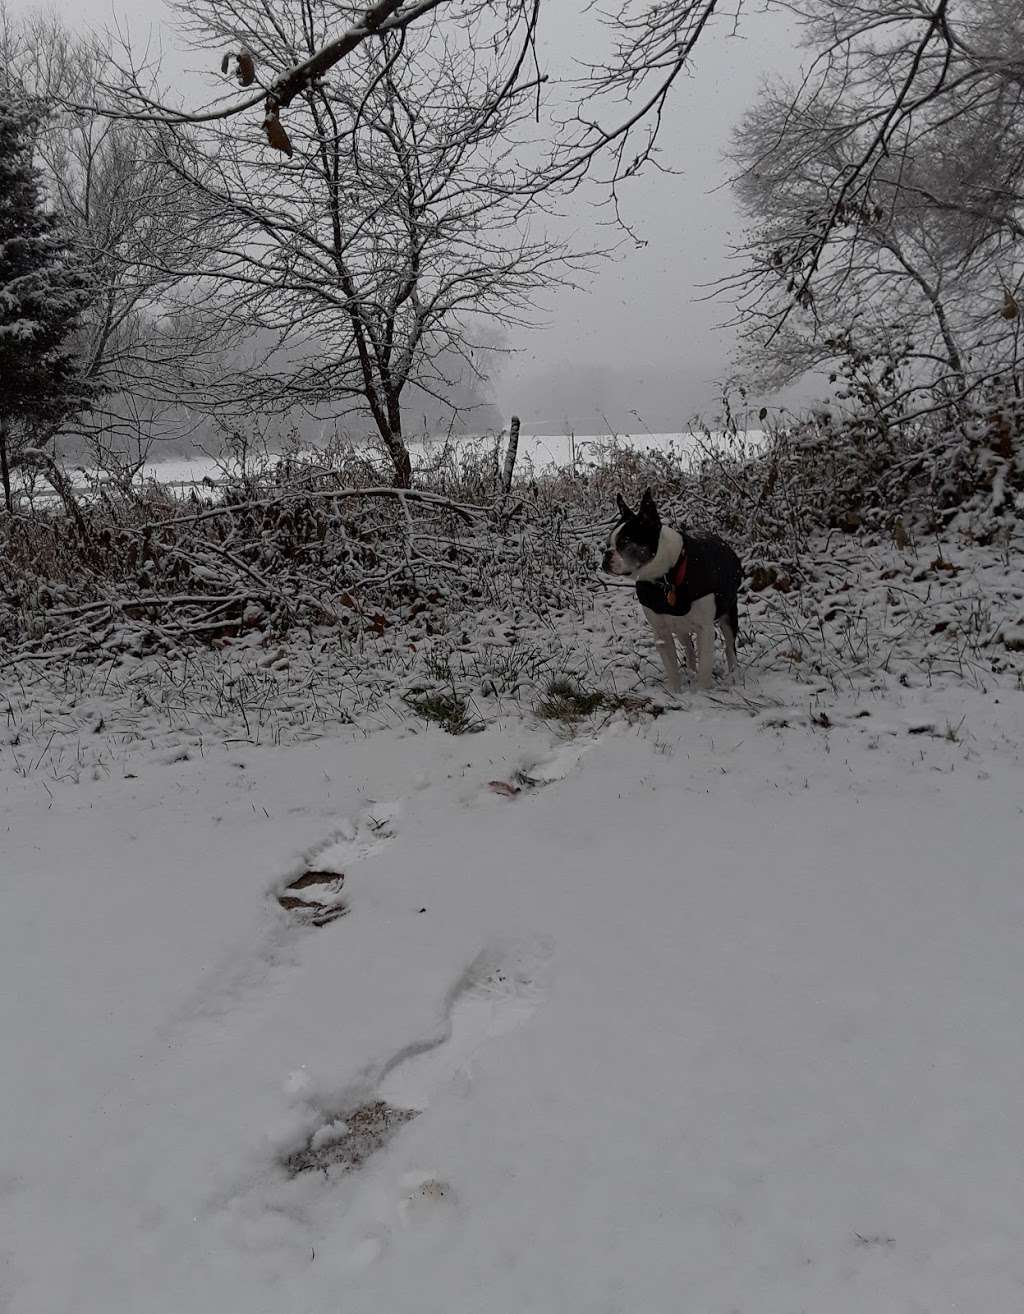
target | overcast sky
[
  {"x": 643, "y": 338},
  {"x": 640, "y": 347}
]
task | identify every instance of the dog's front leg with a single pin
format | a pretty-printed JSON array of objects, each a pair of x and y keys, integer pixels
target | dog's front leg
[
  {"x": 665, "y": 643},
  {"x": 690, "y": 648}
]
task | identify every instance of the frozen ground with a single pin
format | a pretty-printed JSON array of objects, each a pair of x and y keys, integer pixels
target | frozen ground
[{"x": 715, "y": 1011}]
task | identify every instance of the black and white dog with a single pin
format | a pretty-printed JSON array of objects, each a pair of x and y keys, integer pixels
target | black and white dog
[{"x": 685, "y": 583}]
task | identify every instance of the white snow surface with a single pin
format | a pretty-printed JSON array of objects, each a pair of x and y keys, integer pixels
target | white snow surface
[
  {"x": 536, "y": 452},
  {"x": 715, "y": 1012},
  {"x": 722, "y": 1015}
]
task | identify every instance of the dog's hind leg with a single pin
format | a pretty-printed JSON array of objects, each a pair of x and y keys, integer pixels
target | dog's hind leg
[
  {"x": 730, "y": 624},
  {"x": 730, "y": 645},
  {"x": 705, "y": 654},
  {"x": 729, "y": 635},
  {"x": 701, "y": 623}
]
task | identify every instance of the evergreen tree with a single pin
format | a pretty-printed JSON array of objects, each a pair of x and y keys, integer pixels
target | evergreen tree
[{"x": 43, "y": 290}]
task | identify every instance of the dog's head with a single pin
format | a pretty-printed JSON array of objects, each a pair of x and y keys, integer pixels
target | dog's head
[{"x": 634, "y": 541}]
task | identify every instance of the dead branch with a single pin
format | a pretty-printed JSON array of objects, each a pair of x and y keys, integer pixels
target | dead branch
[{"x": 467, "y": 513}]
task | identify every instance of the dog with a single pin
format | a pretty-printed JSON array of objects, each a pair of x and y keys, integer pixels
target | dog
[{"x": 685, "y": 583}]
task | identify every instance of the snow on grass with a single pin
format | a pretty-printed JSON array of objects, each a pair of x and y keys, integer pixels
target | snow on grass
[
  {"x": 857, "y": 621},
  {"x": 718, "y": 1011}
]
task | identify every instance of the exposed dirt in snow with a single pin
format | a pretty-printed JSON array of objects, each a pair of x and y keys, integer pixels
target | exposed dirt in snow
[{"x": 346, "y": 1143}]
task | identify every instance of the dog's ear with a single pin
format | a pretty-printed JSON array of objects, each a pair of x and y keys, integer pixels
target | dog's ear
[
  {"x": 648, "y": 510},
  {"x": 624, "y": 510}
]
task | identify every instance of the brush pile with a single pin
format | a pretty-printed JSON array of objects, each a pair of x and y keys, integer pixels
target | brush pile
[{"x": 319, "y": 547}]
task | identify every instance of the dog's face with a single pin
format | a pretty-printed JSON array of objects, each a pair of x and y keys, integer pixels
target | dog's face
[{"x": 633, "y": 543}]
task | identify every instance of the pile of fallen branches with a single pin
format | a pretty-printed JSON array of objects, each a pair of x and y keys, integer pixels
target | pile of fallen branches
[
  {"x": 163, "y": 572},
  {"x": 154, "y": 573},
  {"x": 323, "y": 543}
]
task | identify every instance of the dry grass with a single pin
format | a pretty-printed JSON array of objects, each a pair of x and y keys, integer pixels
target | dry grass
[
  {"x": 565, "y": 700},
  {"x": 448, "y": 710}
]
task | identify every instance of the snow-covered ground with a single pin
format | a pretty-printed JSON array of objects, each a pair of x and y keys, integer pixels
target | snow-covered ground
[
  {"x": 537, "y": 453},
  {"x": 717, "y": 1010}
]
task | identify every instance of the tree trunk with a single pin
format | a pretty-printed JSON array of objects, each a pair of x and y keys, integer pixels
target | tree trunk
[
  {"x": 394, "y": 441},
  {"x": 510, "y": 455},
  {"x": 399, "y": 454},
  {"x": 5, "y": 470},
  {"x": 402, "y": 463}
]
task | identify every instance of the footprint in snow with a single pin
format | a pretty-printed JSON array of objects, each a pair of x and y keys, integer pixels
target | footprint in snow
[
  {"x": 498, "y": 992},
  {"x": 345, "y": 1143},
  {"x": 312, "y": 893},
  {"x": 558, "y": 766},
  {"x": 315, "y": 897}
]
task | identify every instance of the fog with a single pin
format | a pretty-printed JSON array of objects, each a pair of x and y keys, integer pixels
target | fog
[
  {"x": 645, "y": 346},
  {"x": 642, "y": 345}
]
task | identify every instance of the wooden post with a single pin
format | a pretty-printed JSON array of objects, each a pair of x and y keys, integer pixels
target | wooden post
[{"x": 510, "y": 455}]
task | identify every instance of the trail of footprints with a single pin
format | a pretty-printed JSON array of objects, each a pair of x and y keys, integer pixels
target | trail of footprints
[
  {"x": 313, "y": 893},
  {"x": 498, "y": 992}
]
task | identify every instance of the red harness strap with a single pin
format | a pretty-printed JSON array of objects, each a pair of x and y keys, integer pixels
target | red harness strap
[{"x": 677, "y": 577}]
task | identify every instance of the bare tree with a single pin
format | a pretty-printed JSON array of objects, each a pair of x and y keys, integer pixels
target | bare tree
[
  {"x": 133, "y": 222},
  {"x": 908, "y": 99},
  {"x": 906, "y": 72},
  {"x": 908, "y": 256},
  {"x": 916, "y": 53},
  {"x": 391, "y": 232},
  {"x": 617, "y": 100}
]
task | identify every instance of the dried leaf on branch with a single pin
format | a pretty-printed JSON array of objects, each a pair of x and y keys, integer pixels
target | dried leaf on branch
[
  {"x": 246, "y": 68},
  {"x": 276, "y": 135}
]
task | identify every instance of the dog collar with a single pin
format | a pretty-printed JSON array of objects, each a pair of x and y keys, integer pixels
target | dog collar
[{"x": 675, "y": 578}]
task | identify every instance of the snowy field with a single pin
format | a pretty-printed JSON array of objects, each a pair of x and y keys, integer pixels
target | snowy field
[
  {"x": 537, "y": 453},
  {"x": 716, "y": 1010}
]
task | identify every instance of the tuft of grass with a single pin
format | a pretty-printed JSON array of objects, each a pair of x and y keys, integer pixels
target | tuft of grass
[
  {"x": 633, "y": 705},
  {"x": 565, "y": 700},
  {"x": 438, "y": 664},
  {"x": 448, "y": 710}
]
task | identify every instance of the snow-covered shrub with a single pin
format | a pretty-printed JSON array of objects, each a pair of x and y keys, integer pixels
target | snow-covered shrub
[{"x": 319, "y": 539}]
